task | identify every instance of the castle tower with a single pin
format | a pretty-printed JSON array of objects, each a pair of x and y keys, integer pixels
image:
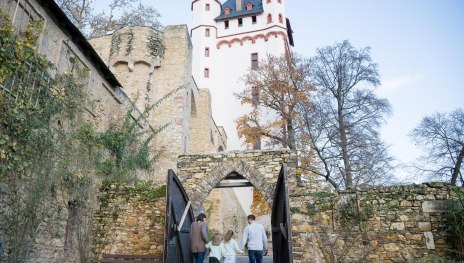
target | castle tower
[{"x": 228, "y": 39}]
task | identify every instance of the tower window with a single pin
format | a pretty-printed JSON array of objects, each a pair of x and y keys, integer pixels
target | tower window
[
  {"x": 269, "y": 18},
  {"x": 226, "y": 24},
  {"x": 240, "y": 22},
  {"x": 206, "y": 73},
  {"x": 227, "y": 11},
  {"x": 253, "y": 19},
  {"x": 254, "y": 61},
  {"x": 268, "y": 1},
  {"x": 279, "y": 1},
  {"x": 249, "y": 6},
  {"x": 281, "y": 19},
  {"x": 206, "y": 51},
  {"x": 207, "y": 33},
  {"x": 207, "y": 7},
  {"x": 255, "y": 96}
]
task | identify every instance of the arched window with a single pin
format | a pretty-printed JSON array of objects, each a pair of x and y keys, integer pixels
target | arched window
[
  {"x": 249, "y": 6},
  {"x": 227, "y": 11},
  {"x": 206, "y": 51},
  {"x": 207, "y": 7},
  {"x": 207, "y": 32},
  {"x": 269, "y": 18},
  {"x": 281, "y": 19},
  {"x": 206, "y": 72}
]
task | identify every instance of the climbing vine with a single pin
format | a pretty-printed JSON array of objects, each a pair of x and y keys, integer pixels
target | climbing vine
[{"x": 51, "y": 159}]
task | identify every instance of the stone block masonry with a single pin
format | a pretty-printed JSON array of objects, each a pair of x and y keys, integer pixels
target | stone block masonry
[
  {"x": 382, "y": 224},
  {"x": 200, "y": 174},
  {"x": 130, "y": 220}
]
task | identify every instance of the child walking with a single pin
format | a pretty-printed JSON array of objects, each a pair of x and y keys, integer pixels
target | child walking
[
  {"x": 230, "y": 247},
  {"x": 215, "y": 249}
]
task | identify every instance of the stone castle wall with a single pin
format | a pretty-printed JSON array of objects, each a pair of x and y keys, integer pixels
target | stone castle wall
[
  {"x": 150, "y": 64},
  {"x": 385, "y": 224},
  {"x": 107, "y": 105},
  {"x": 130, "y": 221}
]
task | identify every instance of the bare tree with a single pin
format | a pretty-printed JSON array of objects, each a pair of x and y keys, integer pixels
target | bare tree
[
  {"x": 124, "y": 13},
  {"x": 120, "y": 13},
  {"x": 274, "y": 89},
  {"x": 78, "y": 11},
  {"x": 340, "y": 127},
  {"x": 441, "y": 135}
]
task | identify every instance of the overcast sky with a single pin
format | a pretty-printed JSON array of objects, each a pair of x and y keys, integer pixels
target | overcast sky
[{"x": 418, "y": 45}]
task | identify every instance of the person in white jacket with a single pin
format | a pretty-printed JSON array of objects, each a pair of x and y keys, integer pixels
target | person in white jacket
[
  {"x": 215, "y": 249},
  {"x": 254, "y": 236},
  {"x": 230, "y": 247}
]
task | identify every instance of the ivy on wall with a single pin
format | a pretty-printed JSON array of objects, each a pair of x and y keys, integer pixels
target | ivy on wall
[{"x": 51, "y": 159}]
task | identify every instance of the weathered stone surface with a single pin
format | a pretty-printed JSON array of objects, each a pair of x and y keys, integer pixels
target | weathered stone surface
[
  {"x": 257, "y": 167},
  {"x": 425, "y": 226},
  {"x": 429, "y": 240},
  {"x": 438, "y": 206}
]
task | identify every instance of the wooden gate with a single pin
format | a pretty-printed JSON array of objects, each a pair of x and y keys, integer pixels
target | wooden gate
[
  {"x": 280, "y": 221},
  {"x": 179, "y": 217}
]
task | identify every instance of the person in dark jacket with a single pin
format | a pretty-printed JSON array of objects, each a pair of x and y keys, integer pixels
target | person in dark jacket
[{"x": 199, "y": 238}]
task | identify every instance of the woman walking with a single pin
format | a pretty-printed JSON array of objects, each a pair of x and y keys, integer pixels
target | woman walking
[{"x": 230, "y": 248}]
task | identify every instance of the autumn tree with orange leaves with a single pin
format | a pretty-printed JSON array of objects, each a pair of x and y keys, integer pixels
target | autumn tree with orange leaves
[
  {"x": 259, "y": 205},
  {"x": 274, "y": 89}
]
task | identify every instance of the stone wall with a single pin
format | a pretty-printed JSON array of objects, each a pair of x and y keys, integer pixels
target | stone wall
[
  {"x": 106, "y": 106},
  {"x": 200, "y": 174},
  {"x": 224, "y": 212},
  {"x": 385, "y": 224},
  {"x": 130, "y": 220}
]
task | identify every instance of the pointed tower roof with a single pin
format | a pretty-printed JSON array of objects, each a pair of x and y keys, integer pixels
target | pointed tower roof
[{"x": 257, "y": 8}]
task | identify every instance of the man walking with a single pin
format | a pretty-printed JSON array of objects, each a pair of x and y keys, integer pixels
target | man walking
[
  {"x": 255, "y": 239},
  {"x": 199, "y": 238}
]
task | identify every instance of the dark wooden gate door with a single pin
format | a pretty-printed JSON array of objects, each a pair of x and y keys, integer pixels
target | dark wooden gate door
[
  {"x": 179, "y": 217},
  {"x": 280, "y": 221}
]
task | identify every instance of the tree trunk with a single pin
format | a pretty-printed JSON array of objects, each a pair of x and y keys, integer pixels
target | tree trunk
[
  {"x": 291, "y": 134},
  {"x": 457, "y": 167},
  {"x": 344, "y": 143}
]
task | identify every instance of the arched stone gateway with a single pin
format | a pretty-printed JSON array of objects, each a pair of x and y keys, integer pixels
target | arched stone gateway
[{"x": 200, "y": 174}]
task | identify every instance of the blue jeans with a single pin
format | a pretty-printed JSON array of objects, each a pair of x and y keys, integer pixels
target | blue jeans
[
  {"x": 199, "y": 257},
  {"x": 255, "y": 256}
]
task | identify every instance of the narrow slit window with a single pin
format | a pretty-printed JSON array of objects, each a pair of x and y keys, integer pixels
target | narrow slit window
[
  {"x": 254, "y": 61},
  {"x": 253, "y": 19},
  {"x": 206, "y": 51},
  {"x": 207, "y": 7},
  {"x": 254, "y": 96},
  {"x": 206, "y": 73},
  {"x": 207, "y": 33},
  {"x": 240, "y": 22},
  {"x": 226, "y": 24}
]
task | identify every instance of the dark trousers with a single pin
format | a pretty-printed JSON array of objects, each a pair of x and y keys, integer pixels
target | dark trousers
[
  {"x": 199, "y": 257},
  {"x": 213, "y": 260},
  {"x": 255, "y": 256}
]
